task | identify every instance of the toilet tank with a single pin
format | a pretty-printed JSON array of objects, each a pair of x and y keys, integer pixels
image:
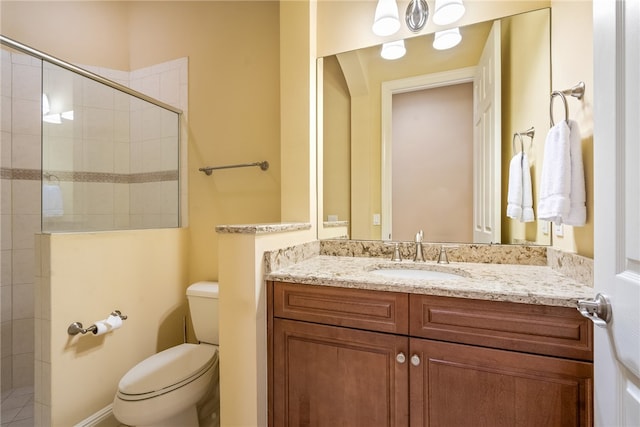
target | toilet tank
[{"x": 203, "y": 306}]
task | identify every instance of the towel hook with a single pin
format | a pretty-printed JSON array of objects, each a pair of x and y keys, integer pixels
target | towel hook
[
  {"x": 513, "y": 142},
  {"x": 566, "y": 106},
  {"x": 529, "y": 132},
  {"x": 576, "y": 91}
]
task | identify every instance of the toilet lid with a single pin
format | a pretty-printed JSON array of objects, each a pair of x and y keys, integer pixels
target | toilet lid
[{"x": 167, "y": 368}]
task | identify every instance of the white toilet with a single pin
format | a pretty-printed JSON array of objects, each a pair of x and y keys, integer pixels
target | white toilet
[{"x": 163, "y": 390}]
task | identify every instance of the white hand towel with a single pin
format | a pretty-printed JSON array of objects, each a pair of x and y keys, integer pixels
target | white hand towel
[
  {"x": 51, "y": 201},
  {"x": 555, "y": 180},
  {"x": 527, "y": 194},
  {"x": 514, "y": 194},
  {"x": 577, "y": 215},
  {"x": 520, "y": 198}
]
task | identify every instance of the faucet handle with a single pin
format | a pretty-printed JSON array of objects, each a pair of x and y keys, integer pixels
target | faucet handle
[
  {"x": 442, "y": 256},
  {"x": 396, "y": 252},
  {"x": 419, "y": 255}
]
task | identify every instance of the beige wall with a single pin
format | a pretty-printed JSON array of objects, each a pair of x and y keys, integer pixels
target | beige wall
[
  {"x": 336, "y": 142},
  {"x": 234, "y": 117},
  {"x": 298, "y": 110},
  {"x": 91, "y": 32},
  {"x": 572, "y": 60},
  {"x": 234, "y": 107},
  {"x": 243, "y": 328},
  {"x": 526, "y": 85},
  {"x": 82, "y": 278}
]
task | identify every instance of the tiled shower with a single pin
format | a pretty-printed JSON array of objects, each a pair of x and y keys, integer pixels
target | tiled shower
[{"x": 85, "y": 157}]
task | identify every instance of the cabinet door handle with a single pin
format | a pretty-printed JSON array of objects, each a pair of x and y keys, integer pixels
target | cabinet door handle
[
  {"x": 415, "y": 360},
  {"x": 401, "y": 358}
]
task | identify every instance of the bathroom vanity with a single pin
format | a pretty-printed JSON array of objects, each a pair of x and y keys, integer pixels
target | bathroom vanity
[{"x": 386, "y": 352}]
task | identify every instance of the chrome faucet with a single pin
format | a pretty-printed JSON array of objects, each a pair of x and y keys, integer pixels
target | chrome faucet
[{"x": 419, "y": 255}]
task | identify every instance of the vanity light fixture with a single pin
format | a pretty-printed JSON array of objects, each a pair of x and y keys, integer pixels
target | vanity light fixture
[
  {"x": 416, "y": 15},
  {"x": 386, "y": 21},
  {"x": 448, "y": 11},
  {"x": 393, "y": 50},
  {"x": 446, "y": 39}
]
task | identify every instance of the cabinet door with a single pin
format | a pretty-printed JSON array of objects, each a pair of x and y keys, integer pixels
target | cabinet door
[
  {"x": 460, "y": 385},
  {"x": 332, "y": 376}
]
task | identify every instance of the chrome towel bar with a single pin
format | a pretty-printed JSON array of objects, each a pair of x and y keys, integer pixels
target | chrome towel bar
[{"x": 209, "y": 169}]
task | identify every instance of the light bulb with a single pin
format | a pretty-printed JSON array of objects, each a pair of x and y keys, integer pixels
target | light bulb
[
  {"x": 446, "y": 39},
  {"x": 52, "y": 118},
  {"x": 386, "y": 20},
  {"x": 448, "y": 11},
  {"x": 393, "y": 50}
]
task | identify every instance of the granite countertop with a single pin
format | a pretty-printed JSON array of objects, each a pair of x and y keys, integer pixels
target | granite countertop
[
  {"x": 530, "y": 284},
  {"x": 267, "y": 228}
]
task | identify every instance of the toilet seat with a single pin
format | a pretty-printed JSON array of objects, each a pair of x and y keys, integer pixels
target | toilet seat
[{"x": 166, "y": 371}]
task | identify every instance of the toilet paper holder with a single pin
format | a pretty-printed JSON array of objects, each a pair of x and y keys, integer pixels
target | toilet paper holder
[{"x": 76, "y": 327}]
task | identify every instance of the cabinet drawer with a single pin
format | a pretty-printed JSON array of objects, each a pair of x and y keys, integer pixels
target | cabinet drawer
[
  {"x": 553, "y": 331},
  {"x": 355, "y": 308}
]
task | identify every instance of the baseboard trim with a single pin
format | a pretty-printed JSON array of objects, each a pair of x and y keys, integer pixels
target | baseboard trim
[{"x": 95, "y": 419}]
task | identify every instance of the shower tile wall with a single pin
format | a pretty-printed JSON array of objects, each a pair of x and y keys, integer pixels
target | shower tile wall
[
  {"x": 129, "y": 143},
  {"x": 151, "y": 147},
  {"x": 20, "y": 213},
  {"x": 157, "y": 201}
]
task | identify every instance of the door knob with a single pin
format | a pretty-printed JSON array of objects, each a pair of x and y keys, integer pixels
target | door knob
[
  {"x": 415, "y": 360},
  {"x": 597, "y": 309},
  {"x": 401, "y": 358}
]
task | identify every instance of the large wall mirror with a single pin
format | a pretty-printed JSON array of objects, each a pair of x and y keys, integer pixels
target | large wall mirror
[{"x": 396, "y": 137}]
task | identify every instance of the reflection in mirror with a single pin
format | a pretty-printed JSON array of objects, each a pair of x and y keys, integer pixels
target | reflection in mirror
[{"x": 353, "y": 135}]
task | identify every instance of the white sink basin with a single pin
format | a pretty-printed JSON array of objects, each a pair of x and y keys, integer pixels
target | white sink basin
[{"x": 409, "y": 273}]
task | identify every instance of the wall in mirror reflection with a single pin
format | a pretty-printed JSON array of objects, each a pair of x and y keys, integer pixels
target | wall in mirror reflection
[{"x": 352, "y": 122}]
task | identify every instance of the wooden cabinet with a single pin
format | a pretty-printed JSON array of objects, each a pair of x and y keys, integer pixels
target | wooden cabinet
[
  {"x": 332, "y": 376},
  {"x": 462, "y": 385},
  {"x": 348, "y": 357}
]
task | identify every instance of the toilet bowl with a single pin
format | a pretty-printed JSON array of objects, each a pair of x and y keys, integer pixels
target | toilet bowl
[{"x": 163, "y": 389}]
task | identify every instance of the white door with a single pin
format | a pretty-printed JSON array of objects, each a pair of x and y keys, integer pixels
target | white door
[
  {"x": 487, "y": 142},
  {"x": 617, "y": 209}
]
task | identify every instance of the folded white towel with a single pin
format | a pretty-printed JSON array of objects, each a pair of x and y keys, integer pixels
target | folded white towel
[
  {"x": 51, "y": 201},
  {"x": 519, "y": 196},
  {"x": 577, "y": 209},
  {"x": 562, "y": 192}
]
